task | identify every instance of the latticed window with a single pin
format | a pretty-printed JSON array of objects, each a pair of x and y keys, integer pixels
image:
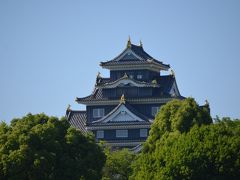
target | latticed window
[
  {"x": 97, "y": 113},
  {"x": 100, "y": 134},
  {"x": 139, "y": 76},
  {"x": 122, "y": 133},
  {"x": 143, "y": 132}
]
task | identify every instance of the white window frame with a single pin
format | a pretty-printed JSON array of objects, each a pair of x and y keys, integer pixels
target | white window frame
[
  {"x": 139, "y": 76},
  {"x": 100, "y": 134},
  {"x": 143, "y": 132},
  {"x": 155, "y": 110},
  {"x": 121, "y": 133},
  {"x": 98, "y": 112}
]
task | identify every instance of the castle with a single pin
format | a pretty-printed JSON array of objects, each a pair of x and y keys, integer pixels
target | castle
[{"x": 122, "y": 107}]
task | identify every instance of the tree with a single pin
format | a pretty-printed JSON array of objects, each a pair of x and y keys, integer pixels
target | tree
[
  {"x": 118, "y": 164},
  {"x": 42, "y": 147},
  {"x": 190, "y": 146},
  {"x": 176, "y": 117},
  {"x": 206, "y": 152}
]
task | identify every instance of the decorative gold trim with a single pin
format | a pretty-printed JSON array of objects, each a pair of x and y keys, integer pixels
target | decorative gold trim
[
  {"x": 148, "y": 65},
  {"x": 122, "y": 99},
  {"x": 132, "y": 101},
  {"x": 172, "y": 72},
  {"x": 129, "y": 42},
  {"x": 140, "y": 43}
]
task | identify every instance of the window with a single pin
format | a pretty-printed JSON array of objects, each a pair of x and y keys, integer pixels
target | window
[
  {"x": 122, "y": 133},
  {"x": 100, "y": 134},
  {"x": 131, "y": 76},
  {"x": 97, "y": 113},
  {"x": 143, "y": 132},
  {"x": 139, "y": 76},
  {"x": 155, "y": 110}
]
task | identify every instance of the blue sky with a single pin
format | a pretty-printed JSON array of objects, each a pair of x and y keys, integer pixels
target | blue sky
[{"x": 50, "y": 50}]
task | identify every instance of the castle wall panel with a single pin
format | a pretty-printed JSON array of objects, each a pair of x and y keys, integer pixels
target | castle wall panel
[{"x": 133, "y": 134}]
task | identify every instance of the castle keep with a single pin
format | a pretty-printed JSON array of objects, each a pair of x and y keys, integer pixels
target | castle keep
[{"x": 122, "y": 107}]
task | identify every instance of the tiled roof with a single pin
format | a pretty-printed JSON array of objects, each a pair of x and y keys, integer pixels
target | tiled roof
[
  {"x": 125, "y": 77},
  {"x": 77, "y": 119},
  {"x": 130, "y": 108},
  {"x": 134, "y": 111},
  {"x": 101, "y": 80},
  {"x": 139, "y": 51},
  {"x": 165, "y": 82},
  {"x": 144, "y": 58}
]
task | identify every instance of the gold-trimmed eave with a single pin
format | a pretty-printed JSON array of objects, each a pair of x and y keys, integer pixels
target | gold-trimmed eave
[
  {"x": 116, "y": 83},
  {"x": 126, "y": 126},
  {"x": 153, "y": 66},
  {"x": 131, "y": 101}
]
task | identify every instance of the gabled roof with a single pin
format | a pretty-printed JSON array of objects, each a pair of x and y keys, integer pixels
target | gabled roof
[
  {"x": 133, "y": 55},
  {"x": 170, "y": 85},
  {"x": 101, "y": 80},
  {"x": 123, "y": 113},
  {"x": 77, "y": 119},
  {"x": 166, "y": 83},
  {"x": 125, "y": 80}
]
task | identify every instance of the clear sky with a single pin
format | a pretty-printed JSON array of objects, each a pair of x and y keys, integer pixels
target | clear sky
[{"x": 50, "y": 50}]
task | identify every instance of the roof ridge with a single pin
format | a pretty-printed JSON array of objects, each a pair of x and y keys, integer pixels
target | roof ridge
[
  {"x": 80, "y": 111},
  {"x": 127, "y": 78},
  {"x": 130, "y": 108}
]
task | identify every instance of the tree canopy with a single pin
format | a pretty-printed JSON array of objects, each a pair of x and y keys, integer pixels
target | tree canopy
[
  {"x": 118, "y": 164},
  {"x": 206, "y": 152},
  {"x": 177, "y": 115},
  {"x": 184, "y": 144},
  {"x": 42, "y": 147}
]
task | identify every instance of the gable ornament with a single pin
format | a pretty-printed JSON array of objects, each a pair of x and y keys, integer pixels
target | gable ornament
[{"x": 122, "y": 99}]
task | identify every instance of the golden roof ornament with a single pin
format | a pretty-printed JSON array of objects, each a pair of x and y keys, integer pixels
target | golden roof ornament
[
  {"x": 98, "y": 75},
  {"x": 172, "y": 73},
  {"x": 129, "y": 42},
  {"x": 154, "y": 82},
  {"x": 206, "y": 102},
  {"x": 69, "y": 107},
  {"x": 122, "y": 99},
  {"x": 125, "y": 75},
  {"x": 140, "y": 43}
]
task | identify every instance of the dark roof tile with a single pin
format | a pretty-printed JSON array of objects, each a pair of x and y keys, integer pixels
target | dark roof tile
[
  {"x": 139, "y": 51},
  {"x": 165, "y": 82},
  {"x": 78, "y": 120}
]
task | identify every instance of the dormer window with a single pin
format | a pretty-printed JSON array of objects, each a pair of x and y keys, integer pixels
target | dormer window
[
  {"x": 139, "y": 76},
  {"x": 97, "y": 113}
]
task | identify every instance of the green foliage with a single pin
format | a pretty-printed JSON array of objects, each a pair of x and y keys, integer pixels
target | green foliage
[
  {"x": 42, "y": 147},
  {"x": 118, "y": 164},
  {"x": 203, "y": 152},
  {"x": 208, "y": 152},
  {"x": 177, "y": 115}
]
